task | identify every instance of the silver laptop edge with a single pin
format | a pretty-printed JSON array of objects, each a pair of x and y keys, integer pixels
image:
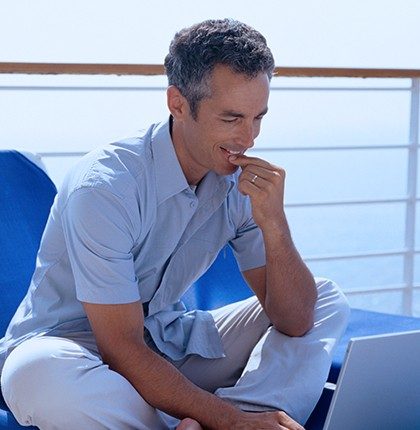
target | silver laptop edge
[{"x": 379, "y": 384}]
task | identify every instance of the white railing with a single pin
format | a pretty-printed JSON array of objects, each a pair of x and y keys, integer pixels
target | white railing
[
  {"x": 410, "y": 226},
  {"x": 409, "y": 252}
]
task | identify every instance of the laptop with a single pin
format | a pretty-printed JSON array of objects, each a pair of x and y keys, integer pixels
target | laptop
[{"x": 379, "y": 384}]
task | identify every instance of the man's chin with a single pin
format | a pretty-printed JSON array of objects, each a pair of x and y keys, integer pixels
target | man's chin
[{"x": 229, "y": 170}]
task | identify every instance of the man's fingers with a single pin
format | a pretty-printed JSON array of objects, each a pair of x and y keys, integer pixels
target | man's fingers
[
  {"x": 289, "y": 422},
  {"x": 249, "y": 188},
  {"x": 261, "y": 172},
  {"x": 244, "y": 160},
  {"x": 253, "y": 167}
]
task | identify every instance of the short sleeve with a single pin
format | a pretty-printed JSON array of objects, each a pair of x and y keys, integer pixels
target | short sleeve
[
  {"x": 99, "y": 234},
  {"x": 248, "y": 244}
]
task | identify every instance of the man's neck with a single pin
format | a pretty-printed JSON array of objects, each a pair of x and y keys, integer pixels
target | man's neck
[{"x": 192, "y": 176}]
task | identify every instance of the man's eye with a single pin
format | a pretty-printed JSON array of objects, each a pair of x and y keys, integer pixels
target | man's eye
[{"x": 230, "y": 121}]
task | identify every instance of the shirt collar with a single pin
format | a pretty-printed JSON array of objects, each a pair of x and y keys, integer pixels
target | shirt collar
[{"x": 170, "y": 179}]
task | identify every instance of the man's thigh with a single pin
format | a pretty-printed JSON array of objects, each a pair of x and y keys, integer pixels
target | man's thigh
[
  {"x": 57, "y": 383},
  {"x": 240, "y": 325}
]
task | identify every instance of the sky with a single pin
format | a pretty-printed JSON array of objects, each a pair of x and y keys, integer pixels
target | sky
[{"x": 317, "y": 33}]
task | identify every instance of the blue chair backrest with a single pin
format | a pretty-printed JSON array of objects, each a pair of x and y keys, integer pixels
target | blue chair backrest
[
  {"x": 220, "y": 285},
  {"x": 26, "y": 196}
]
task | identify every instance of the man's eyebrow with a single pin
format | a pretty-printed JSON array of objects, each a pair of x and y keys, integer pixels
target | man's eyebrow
[
  {"x": 240, "y": 115},
  {"x": 263, "y": 112},
  {"x": 232, "y": 113}
]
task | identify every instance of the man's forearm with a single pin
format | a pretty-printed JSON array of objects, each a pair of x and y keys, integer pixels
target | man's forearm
[
  {"x": 165, "y": 388},
  {"x": 290, "y": 287},
  {"x": 287, "y": 290}
]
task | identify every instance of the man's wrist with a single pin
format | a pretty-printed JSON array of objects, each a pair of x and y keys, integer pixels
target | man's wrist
[
  {"x": 225, "y": 417},
  {"x": 276, "y": 233},
  {"x": 276, "y": 225}
]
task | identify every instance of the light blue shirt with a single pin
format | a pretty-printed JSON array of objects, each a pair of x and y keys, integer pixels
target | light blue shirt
[{"x": 126, "y": 226}]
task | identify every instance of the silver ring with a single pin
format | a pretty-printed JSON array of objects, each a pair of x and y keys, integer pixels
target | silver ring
[{"x": 254, "y": 179}]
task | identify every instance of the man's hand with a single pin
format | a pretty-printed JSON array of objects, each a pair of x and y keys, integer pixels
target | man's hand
[
  {"x": 267, "y": 421},
  {"x": 252, "y": 421},
  {"x": 264, "y": 184}
]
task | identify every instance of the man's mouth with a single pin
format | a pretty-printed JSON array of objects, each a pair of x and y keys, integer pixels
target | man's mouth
[{"x": 231, "y": 151}]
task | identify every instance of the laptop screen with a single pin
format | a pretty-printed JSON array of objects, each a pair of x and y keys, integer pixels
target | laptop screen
[{"x": 379, "y": 384}]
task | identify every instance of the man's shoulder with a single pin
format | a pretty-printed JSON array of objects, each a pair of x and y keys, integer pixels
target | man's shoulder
[{"x": 121, "y": 167}]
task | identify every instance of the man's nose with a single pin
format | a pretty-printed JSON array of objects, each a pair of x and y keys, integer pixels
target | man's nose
[{"x": 247, "y": 136}]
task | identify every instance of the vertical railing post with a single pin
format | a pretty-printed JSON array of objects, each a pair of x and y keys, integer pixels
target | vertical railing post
[{"x": 410, "y": 223}]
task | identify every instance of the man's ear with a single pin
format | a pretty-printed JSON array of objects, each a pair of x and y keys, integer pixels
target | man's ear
[{"x": 177, "y": 103}]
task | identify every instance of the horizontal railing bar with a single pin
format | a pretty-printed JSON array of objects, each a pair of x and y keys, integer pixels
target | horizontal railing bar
[
  {"x": 82, "y": 69},
  {"x": 347, "y": 89},
  {"x": 329, "y": 148},
  {"x": 284, "y": 148},
  {"x": 158, "y": 69},
  {"x": 58, "y": 87},
  {"x": 62, "y": 154},
  {"x": 347, "y": 202},
  {"x": 360, "y": 255},
  {"x": 79, "y": 88},
  {"x": 341, "y": 72},
  {"x": 354, "y": 255},
  {"x": 371, "y": 290}
]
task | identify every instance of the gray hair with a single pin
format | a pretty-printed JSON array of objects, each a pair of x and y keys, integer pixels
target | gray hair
[{"x": 195, "y": 51}]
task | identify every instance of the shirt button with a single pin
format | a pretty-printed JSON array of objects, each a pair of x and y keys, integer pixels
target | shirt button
[{"x": 192, "y": 204}]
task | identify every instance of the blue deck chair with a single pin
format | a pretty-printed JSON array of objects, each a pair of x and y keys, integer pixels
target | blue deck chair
[{"x": 26, "y": 195}]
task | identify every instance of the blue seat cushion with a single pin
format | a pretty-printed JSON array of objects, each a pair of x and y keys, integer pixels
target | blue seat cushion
[
  {"x": 220, "y": 285},
  {"x": 367, "y": 323}
]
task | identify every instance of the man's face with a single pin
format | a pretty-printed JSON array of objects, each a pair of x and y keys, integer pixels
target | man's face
[{"x": 227, "y": 123}]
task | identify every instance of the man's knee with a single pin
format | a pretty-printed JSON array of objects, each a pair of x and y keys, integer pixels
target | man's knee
[
  {"x": 333, "y": 300},
  {"x": 38, "y": 378}
]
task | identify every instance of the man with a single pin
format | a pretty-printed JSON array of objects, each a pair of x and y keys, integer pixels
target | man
[{"x": 101, "y": 340}]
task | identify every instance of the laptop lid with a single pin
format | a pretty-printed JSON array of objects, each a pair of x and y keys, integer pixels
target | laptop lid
[{"x": 379, "y": 384}]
